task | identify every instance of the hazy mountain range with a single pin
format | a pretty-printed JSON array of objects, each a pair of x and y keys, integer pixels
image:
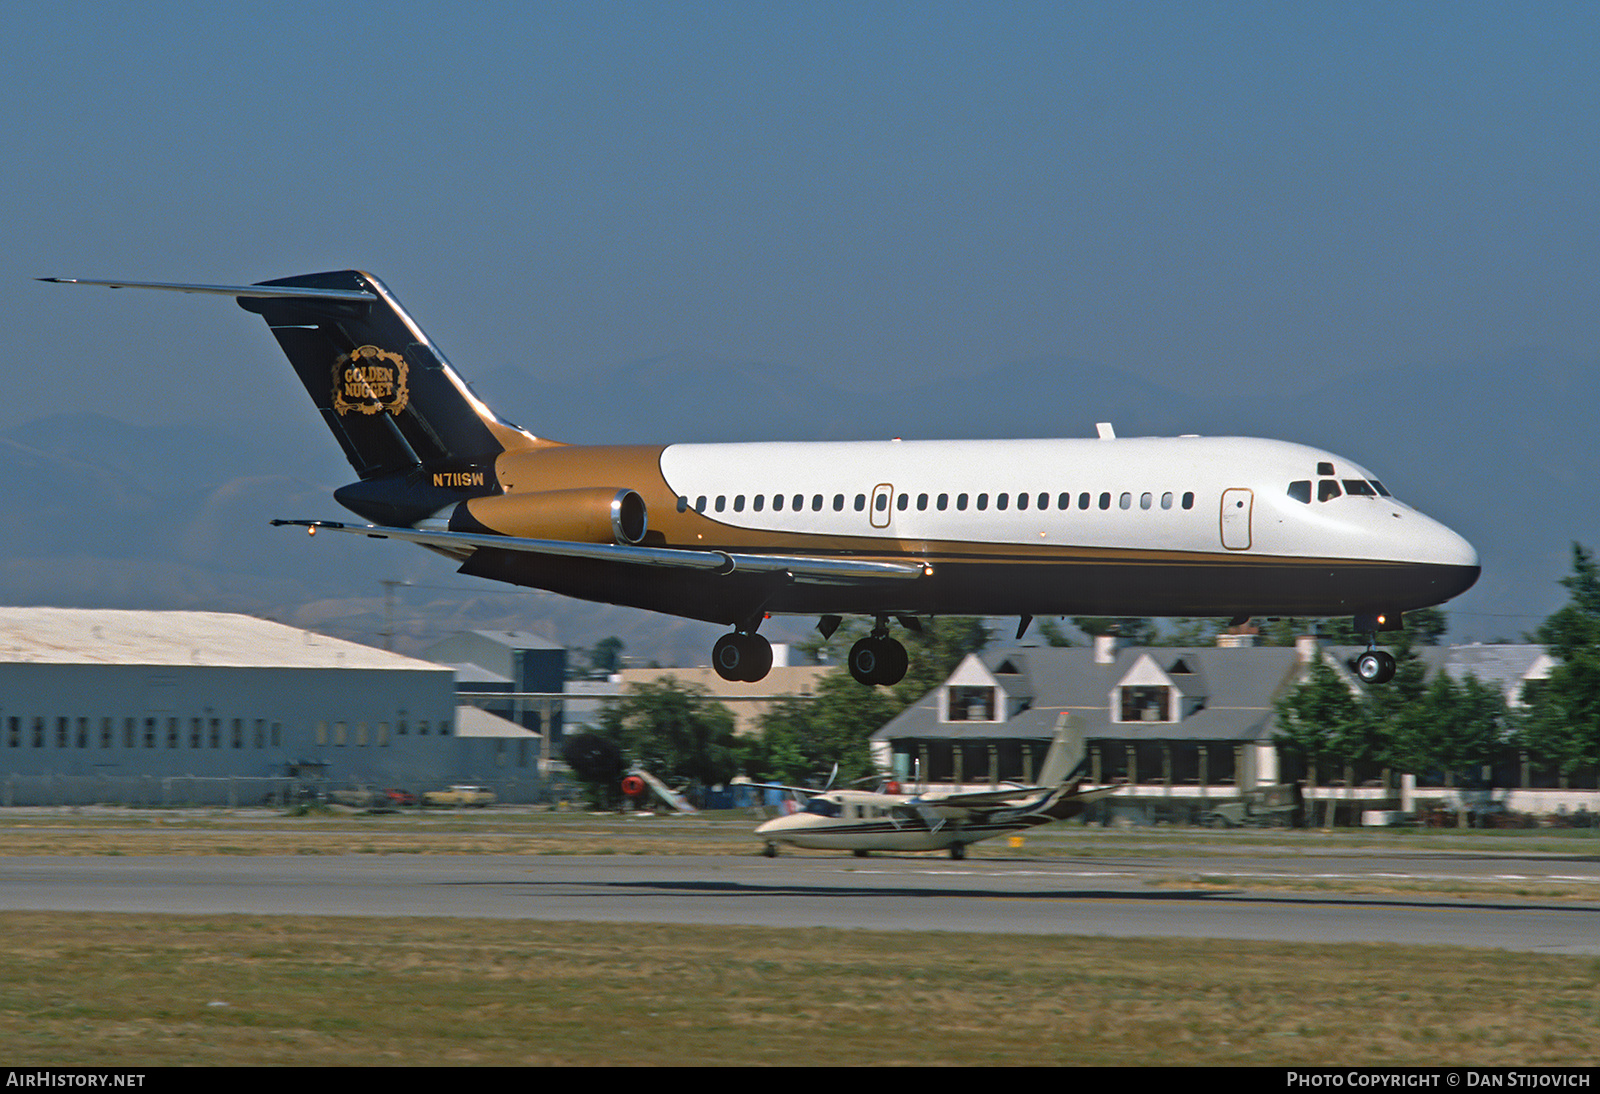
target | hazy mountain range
[{"x": 103, "y": 513}]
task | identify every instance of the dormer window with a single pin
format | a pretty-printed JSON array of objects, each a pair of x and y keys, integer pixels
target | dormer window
[
  {"x": 1145, "y": 703},
  {"x": 971, "y": 704}
]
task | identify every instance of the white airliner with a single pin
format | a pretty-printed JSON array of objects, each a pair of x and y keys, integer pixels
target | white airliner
[{"x": 894, "y": 530}]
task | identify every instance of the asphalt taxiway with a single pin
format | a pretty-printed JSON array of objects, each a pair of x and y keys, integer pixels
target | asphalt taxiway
[{"x": 1120, "y": 897}]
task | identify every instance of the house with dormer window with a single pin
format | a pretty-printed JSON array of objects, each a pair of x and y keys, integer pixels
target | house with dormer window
[{"x": 1188, "y": 727}]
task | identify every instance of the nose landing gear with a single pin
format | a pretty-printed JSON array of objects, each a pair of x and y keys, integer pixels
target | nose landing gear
[{"x": 1375, "y": 667}]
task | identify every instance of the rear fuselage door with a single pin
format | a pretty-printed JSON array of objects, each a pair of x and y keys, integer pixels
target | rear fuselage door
[
  {"x": 1236, "y": 506},
  {"x": 882, "y": 501}
]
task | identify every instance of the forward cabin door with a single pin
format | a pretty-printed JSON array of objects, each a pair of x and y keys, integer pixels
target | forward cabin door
[
  {"x": 1236, "y": 506},
  {"x": 882, "y": 502}
]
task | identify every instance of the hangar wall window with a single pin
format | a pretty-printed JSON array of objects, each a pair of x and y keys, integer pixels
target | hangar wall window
[
  {"x": 13, "y": 732},
  {"x": 129, "y": 731},
  {"x": 108, "y": 732},
  {"x": 194, "y": 733},
  {"x": 149, "y": 733},
  {"x": 174, "y": 733}
]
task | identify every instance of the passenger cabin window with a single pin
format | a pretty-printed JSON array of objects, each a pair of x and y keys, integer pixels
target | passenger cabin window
[
  {"x": 1188, "y": 500},
  {"x": 1300, "y": 490}
]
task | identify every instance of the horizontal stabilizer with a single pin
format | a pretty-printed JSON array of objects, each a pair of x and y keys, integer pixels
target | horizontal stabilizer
[{"x": 253, "y": 292}]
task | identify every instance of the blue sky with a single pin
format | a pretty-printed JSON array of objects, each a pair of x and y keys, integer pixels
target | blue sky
[
  {"x": 1215, "y": 197},
  {"x": 1212, "y": 194}
]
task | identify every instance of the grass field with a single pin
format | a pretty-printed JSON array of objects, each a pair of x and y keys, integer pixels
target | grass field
[
  {"x": 109, "y": 990},
  {"x": 131, "y": 991}
]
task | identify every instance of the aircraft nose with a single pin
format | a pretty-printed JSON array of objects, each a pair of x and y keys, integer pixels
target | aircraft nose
[{"x": 1453, "y": 555}]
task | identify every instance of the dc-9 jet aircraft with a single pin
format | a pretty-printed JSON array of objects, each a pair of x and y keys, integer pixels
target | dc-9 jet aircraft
[{"x": 893, "y": 530}]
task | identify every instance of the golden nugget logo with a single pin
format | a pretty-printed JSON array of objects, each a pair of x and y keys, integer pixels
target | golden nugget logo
[{"x": 369, "y": 380}]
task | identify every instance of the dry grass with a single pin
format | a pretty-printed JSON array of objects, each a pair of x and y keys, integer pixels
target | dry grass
[{"x": 126, "y": 991}]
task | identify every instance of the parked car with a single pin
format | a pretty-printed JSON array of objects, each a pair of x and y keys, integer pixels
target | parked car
[{"x": 460, "y": 795}]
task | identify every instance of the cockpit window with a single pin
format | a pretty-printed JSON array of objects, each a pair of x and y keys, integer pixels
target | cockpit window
[
  {"x": 1359, "y": 488},
  {"x": 1327, "y": 490},
  {"x": 1300, "y": 490},
  {"x": 1379, "y": 487}
]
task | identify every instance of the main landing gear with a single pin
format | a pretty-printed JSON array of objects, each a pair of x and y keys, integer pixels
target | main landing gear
[
  {"x": 742, "y": 656},
  {"x": 878, "y": 659}
]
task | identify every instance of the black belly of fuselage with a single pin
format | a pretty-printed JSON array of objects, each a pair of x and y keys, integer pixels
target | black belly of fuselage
[{"x": 1137, "y": 585}]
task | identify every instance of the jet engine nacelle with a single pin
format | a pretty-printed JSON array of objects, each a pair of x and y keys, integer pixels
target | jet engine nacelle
[{"x": 590, "y": 515}]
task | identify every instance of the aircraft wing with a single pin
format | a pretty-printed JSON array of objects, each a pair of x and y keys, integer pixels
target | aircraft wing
[
  {"x": 800, "y": 568},
  {"x": 979, "y": 798}
]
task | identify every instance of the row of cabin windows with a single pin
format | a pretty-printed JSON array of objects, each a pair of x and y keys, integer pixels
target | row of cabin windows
[
  {"x": 193, "y": 732},
  {"x": 941, "y": 502}
]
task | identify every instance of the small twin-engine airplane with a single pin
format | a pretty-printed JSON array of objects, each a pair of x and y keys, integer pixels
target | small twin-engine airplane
[
  {"x": 732, "y": 533},
  {"x": 886, "y": 820}
]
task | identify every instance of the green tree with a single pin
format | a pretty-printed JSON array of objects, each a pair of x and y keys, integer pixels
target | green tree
[
  {"x": 673, "y": 731},
  {"x": 1562, "y": 726},
  {"x": 803, "y": 737}
]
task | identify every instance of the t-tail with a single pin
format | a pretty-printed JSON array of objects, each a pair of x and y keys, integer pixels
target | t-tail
[{"x": 416, "y": 435}]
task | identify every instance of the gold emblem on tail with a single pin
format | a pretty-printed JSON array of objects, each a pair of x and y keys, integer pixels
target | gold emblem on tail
[{"x": 369, "y": 380}]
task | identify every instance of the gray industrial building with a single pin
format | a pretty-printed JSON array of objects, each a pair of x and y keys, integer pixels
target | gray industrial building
[{"x": 204, "y": 707}]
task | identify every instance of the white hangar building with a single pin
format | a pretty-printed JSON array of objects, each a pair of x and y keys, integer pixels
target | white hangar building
[{"x": 209, "y": 708}]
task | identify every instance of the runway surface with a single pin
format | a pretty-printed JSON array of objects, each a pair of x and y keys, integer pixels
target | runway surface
[{"x": 1119, "y": 897}]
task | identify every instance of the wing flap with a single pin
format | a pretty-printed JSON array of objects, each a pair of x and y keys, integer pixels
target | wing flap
[{"x": 802, "y": 568}]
